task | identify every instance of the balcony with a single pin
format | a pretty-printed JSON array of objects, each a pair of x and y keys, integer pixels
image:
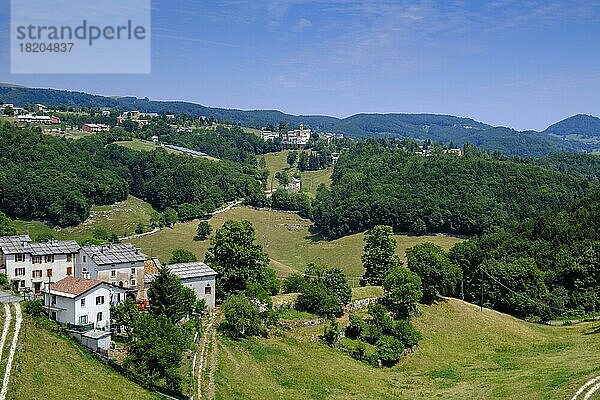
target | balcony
[{"x": 80, "y": 328}]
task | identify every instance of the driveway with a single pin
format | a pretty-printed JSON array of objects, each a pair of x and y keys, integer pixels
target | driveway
[{"x": 9, "y": 298}]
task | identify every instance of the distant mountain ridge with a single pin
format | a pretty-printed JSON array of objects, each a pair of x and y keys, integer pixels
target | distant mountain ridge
[
  {"x": 445, "y": 128},
  {"x": 580, "y": 124}
]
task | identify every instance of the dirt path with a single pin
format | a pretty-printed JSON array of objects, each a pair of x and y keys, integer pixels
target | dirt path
[
  {"x": 212, "y": 365},
  {"x": 7, "y": 319},
  {"x": 590, "y": 392},
  {"x": 207, "y": 360},
  {"x": 13, "y": 347}
]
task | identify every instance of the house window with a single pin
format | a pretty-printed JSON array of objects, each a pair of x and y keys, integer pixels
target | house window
[
  {"x": 49, "y": 272},
  {"x": 53, "y": 299},
  {"x": 82, "y": 302},
  {"x": 49, "y": 259},
  {"x": 69, "y": 257},
  {"x": 99, "y": 317},
  {"x": 207, "y": 290},
  {"x": 133, "y": 270},
  {"x": 69, "y": 271},
  {"x": 113, "y": 273},
  {"x": 19, "y": 257},
  {"x": 36, "y": 273},
  {"x": 99, "y": 300},
  {"x": 83, "y": 320},
  {"x": 19, "y": 271},
  {"x": 133, "y": 282},
  {"x": 84, "y": 258},
  {"x": 36, "y": 259},
  {"x": 23, "y": 283}
]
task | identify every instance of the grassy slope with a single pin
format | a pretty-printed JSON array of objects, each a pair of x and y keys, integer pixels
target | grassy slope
[
  {"x": 465, "y": 354},
  {"x": 121, "y": 218},
  {"x": 53, "y": 367},
  {"x": 286, "y": 239},
  {"x": 310, "y": 180},
  {"x": 143, "y": 145}
]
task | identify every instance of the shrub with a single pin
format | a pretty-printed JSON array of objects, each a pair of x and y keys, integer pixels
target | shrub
[
  {"x": 270, "y": 281},
  {"x": 356, "y": 327},
  {"x": 331, "y": 333},
  {"x": 242, "y": 317},
  {"x": 293, "y": 283},
  {"x": 318, "y": 299},
  {"x": 407, "y": 334},
  {"x": 34, "y": 308},
  {"x": 389, "y": 350}
]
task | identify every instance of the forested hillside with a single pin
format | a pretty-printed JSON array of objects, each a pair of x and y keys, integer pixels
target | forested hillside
[
  {"x": 378, "y": 182},
  {"x": 444, "y": 128},
  {"x": 548, "y": 265},
  {"x": 48, "y": 178},
  {"x": 231, "y": 144},
  {"x": 58, "y": 180},
  {"x": 581, "y": 124},
  {"x": 587, "y": 165}
]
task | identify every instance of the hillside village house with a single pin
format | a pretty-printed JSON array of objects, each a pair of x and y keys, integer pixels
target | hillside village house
[
  {"x": 35, "y": 119},
  {"x": 120, "y": 264},
  {"x": 28, "y": 265},
  {"x": 95, "y": 128},
  {"x": 195, "y": 275},
  {"x": 297, "y": 138},
  {"x": 268, "y": 135},
  {"x": 82, "y": 304}
]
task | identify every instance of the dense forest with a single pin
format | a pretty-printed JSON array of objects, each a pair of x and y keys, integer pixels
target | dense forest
[
  {"x": 586, "y": 165},
  {"x": 378, "y": 182},
  {"x": 58, "y": 180},
  {"x": 47, "y": 178},
  {"x": 546, "y": 266}
]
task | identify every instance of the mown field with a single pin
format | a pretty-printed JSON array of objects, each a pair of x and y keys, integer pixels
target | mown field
[
  {"x": 464, "y": 354},
  {"x": 121, "y": 218},
  {"x": 49, "y": 366},
  {"x": 310, "y": 180},
  {"x": 285, "y": 237}
]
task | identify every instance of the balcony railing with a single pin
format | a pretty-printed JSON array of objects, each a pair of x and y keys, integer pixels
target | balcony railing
[{"x": 79, "y": 327}]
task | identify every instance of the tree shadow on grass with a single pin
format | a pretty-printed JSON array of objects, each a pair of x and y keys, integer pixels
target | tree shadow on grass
[{"x": 315, "y": 236}]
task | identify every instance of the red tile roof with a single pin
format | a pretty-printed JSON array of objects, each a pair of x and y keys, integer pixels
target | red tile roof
[{"x": 74, "y": 286}]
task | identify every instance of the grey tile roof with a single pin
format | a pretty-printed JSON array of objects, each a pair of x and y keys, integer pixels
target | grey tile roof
[
  {"x": 185, "y": 270},
  {"x": 14, "y": 244},
  {"x": 191, "y": 270},
  {"x": 55, "y": 247},
  {"x": 23, "y": 245},
  {"x": 114, "y": 253}
]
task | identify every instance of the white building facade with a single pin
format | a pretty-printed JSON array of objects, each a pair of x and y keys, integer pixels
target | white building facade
[
  {"x": 120, "y": 264},
  {"x": 82, "y": 304},
  {"x": 28, "y": 266}
]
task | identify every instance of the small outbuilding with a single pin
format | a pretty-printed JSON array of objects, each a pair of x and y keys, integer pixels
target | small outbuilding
[{"x": 196, "y": 275}]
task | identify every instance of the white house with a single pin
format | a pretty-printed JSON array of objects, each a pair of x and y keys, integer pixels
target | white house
[
  {"x": 28, "y": 265},
  {"x": 298, "y": 137},
  {"x": 82, "y": 304},
  {"x": 120, "y": 264},
  {"x": 195, "y": 275}
]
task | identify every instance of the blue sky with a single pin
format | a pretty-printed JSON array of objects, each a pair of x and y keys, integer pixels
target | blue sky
[{"x": 523, "y": 64}]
